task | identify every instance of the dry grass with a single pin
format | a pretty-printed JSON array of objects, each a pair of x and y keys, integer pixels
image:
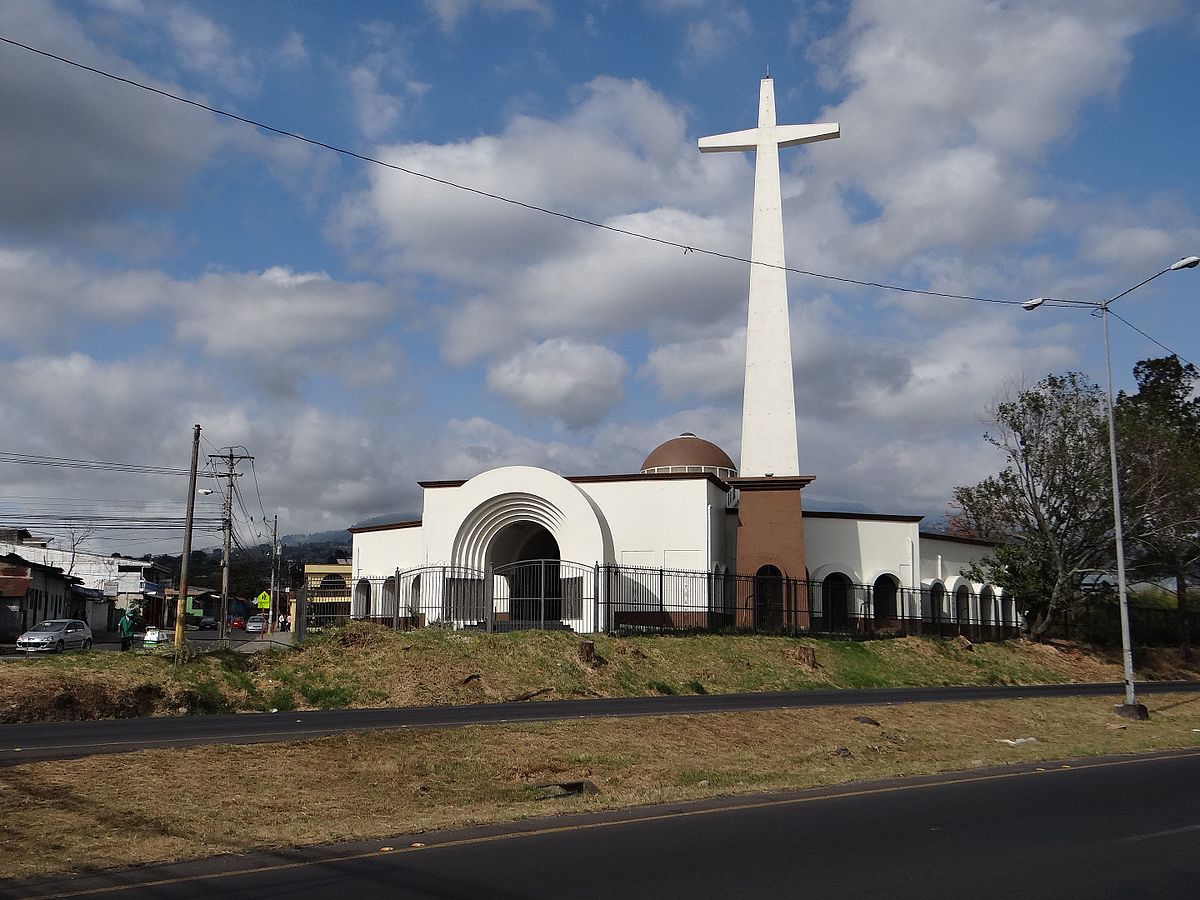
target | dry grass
[
  {"x": 366, "y": 665},
  {"x": 160, "y": 805}
]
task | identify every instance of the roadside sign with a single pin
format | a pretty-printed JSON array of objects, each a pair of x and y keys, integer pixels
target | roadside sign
[{"x": 263, "y": 600}]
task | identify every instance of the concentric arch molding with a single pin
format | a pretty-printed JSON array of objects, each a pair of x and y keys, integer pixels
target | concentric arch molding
[{"x": 501, "y": 497}]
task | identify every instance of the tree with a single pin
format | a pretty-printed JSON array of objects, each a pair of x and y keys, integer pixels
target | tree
[
  {"x": 1049, "y": 508},
  {"x": 1158, "y": 439}
]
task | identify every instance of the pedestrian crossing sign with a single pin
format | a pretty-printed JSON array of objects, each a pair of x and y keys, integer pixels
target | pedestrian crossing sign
[{"x": 263, "y": 600}]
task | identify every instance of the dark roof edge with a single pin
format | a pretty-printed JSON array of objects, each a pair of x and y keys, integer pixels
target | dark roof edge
[
  {"x": 938, "y": 536},
  {"x": 386, "y": 526}
]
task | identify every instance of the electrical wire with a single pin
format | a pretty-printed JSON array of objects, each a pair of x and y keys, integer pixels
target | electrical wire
[
  {"x": 67, "y": 462},
  {"x": 501, "y": 198},
  {"x": 1152, "y": 340}
]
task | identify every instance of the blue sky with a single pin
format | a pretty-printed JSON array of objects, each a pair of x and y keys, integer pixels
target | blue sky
[{"x": 358, "y": 329}]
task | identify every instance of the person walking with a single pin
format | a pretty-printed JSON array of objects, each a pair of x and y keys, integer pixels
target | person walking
[{"x": 125, "y": 626}]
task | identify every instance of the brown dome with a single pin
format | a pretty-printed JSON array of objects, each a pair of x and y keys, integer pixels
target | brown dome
[{"x": 688, "y": 453}]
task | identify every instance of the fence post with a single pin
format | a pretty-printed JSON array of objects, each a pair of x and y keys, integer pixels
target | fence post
[
  {"x": 596, "y": 597},
  {"x": 489, "y": 596},
  {"x": 395, "y": 600},
  {"x": 663, "y": 601}
]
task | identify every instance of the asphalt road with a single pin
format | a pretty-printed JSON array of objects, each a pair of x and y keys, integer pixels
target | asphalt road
[
  {"x": 1101, "y": 828},
  {"x": 109, "y": 642},
  {"x": 37, "y": 741}
]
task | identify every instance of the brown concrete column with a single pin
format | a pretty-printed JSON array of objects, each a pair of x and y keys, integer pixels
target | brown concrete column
[{"x": 771, "y": 533}]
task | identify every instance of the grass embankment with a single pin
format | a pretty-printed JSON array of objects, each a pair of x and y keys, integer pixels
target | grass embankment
[
  {"x": 365, "y": 665},
  {"x": 178, "y": 804}
]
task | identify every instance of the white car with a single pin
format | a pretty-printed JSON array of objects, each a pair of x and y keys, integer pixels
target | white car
[
  {"x": 55, "y": 636},
  {"x": 256, "y": 623},
  {"x": 156, "y": 636}
]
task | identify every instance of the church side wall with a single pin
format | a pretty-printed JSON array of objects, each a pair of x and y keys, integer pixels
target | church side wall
[
  {"x": 954, "y": 556},
  {"x": 860, "y": 549},
  {"x": 382, "y": 552}
]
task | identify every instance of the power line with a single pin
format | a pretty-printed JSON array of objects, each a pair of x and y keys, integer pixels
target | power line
[
  {"x": 490, "y": 195},
  {"x": 66, "y": 462},
  {"x": 532, "y": 207},
  {"x": 1121, "y": 318}
]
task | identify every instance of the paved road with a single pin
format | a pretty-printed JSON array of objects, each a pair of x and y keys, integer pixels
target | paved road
[
  {"x": 37, "y": 741},
  {"x": 1102, "y": 828},
  {"x": 109, "y": 642}
]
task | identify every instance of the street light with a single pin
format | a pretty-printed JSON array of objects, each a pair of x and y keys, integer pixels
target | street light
[{"x": 1130, "y": 709}]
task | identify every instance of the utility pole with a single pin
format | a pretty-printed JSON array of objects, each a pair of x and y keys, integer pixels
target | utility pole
[
  {"x": 231, "y": 460},
  {"x": 181, "y": 602},
  {"x": 274, "y": 565}
]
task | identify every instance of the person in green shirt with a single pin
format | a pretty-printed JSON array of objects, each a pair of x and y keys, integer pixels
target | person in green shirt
[{"x": 125, "y": 626}]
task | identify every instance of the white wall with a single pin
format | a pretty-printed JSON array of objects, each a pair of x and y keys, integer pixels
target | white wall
[
  {"x": 382, "y": 552},
  {"x": 660, "y": 523},
  {"x": 671, "y": 523}
]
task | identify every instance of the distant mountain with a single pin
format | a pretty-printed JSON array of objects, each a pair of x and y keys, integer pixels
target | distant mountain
[{"x": 317, "y": 537}]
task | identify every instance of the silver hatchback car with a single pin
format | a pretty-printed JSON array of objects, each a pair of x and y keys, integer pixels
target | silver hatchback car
[{"x": 55, "y": 636}]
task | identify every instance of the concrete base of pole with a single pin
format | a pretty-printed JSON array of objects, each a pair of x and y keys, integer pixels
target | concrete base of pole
[{"x": 1132, "y": 711}]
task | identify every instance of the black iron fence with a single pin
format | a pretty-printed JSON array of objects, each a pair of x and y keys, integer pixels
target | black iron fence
[
  {"x": 662, "y": 601},
  {"x": 1099, "y": 622},
  {"x": 556, "y": 594}
]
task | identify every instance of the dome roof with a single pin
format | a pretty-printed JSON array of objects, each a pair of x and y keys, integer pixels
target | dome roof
[{"x": 688, "y": 453}]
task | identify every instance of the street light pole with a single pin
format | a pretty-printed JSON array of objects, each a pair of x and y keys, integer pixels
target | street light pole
[{"x": 1130, "y": 709}]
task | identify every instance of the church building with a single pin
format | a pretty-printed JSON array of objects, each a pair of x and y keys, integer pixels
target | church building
[{"x": 692, "y": 540}]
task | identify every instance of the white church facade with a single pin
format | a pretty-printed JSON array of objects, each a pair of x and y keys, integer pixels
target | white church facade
[{"x": 689, "y": 541}]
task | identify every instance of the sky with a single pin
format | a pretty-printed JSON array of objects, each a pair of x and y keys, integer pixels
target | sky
[{"x": 357, "y": 329}]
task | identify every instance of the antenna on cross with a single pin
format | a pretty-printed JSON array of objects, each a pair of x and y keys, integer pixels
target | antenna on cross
[{"x": 768, "y": 75}]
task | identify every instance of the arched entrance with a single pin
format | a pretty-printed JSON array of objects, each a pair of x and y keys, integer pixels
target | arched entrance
[
  {"x": 768, "y": 599},
  {"x": 527, "y": 577},
  {"x": 361, "y": 605},
  {"x": 934, "y": 600},
  {"x": 835, "y": 592},
  {"x": 962, "y": 608},
  {"x": 884, "y": 594}
]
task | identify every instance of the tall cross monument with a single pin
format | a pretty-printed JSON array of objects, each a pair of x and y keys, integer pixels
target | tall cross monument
[
  {"x": 770, "y": 535},
  {"x": 768, "y": 400}
]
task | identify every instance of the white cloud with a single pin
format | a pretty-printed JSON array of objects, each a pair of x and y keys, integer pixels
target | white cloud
[
  {"x": 275, "y": 311},
  {"x": 292, "y": 50},
  {"x": 710, "y": 39},
  {"x": 450, "y": 12},
  {"x": 381, "y": 82},
  {"x": 205, "y": 47},
  {"x": 951, "y": 106},
  {"x": 576, "y": 382},
  {"x": 79, "y": 151}
]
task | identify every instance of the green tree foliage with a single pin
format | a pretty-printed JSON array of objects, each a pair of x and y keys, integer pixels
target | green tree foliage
[
  {"x": 1158, "y": 440},
  {"x": 1049, "y": 508}
]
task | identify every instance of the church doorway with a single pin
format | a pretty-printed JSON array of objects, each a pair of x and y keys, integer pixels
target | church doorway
[
  {"x": 527, "y": 572},
  {"x": 768, "y": 599},
  {"x": 962, "y": 608},
  {"x": 885, "y": 593},
  {"x": 835, "y": 591}
]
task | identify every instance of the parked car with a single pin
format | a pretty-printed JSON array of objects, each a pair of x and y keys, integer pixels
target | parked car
[
  {"x": 208, "y": 623},
  {"x": 237, "y": 622},
  {"x": 55, "y": 636},
  {"x": 256, "y": 623},
  {"x": 155, "y": 636}
]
